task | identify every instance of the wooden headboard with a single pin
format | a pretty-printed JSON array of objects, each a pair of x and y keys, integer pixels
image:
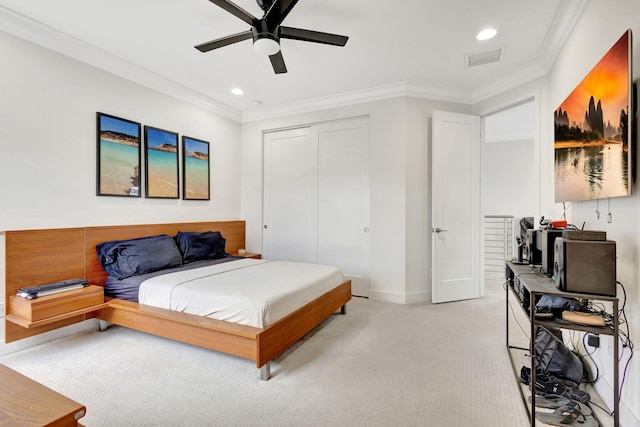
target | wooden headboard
[{"x": 40, "y": 256}]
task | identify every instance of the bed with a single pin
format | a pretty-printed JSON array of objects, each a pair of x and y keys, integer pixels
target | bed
[{"x": 259, "y": 342}]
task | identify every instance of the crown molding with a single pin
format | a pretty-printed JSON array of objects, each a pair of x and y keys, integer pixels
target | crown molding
[
  {"x": 566, "y": 18},
  {"x": 564, "y": 21},
  {"x": 508, "y": 82},
  {"x": 563, "y": 24},
  {"x": 396, "y": 90},
  {"x": 40, "y": 34}
]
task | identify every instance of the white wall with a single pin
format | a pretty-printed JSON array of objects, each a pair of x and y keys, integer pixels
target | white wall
[
  {"x": 601, "y": 25},
  {"x": 48, "y": 108},
  {"x": 397, "y": 156}
]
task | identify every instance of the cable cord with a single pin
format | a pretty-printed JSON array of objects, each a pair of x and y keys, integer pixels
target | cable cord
[
  {"x": 514, "y": 313},
  {"x": 624, "y": 337}
]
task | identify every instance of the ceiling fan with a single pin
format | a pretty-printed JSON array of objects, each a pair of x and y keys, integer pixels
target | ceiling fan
[{"x": 267, "y": 31}]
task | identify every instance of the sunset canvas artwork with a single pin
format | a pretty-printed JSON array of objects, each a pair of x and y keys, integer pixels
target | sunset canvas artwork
[{"x": 592, "y": 144}]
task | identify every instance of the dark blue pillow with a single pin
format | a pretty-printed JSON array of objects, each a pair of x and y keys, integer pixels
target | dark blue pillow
[
  {"x": 196, "y": 246},
  {"x": 126, "y": 258}
]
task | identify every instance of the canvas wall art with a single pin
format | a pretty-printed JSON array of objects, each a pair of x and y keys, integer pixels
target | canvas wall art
[
  {"x": 161, "y": 163},
  {"x": 118, "y": 156},
  {"x": 592, "y": 147},
  {"x": 195, "y": 169}
]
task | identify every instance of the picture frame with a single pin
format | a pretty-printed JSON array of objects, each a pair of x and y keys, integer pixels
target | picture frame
[
  {"x": 195, "y": 169},
  {"x": 161, "y": 164},
  {"x": 118, "y": 156}
]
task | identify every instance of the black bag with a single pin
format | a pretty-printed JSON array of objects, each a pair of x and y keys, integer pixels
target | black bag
[
  {"x": 554, "y": 358},
  {"x": 557, "y": 305}
]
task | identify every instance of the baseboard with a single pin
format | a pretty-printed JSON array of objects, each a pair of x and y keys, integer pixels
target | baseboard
[
  {"x": 398, "y": 298},
  {"x": 418, "y": 297},
  {"x": 382, "y": 296}
]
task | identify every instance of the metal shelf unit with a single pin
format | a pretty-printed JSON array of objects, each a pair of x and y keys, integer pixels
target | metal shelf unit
[{"x": 537, "y": 285}]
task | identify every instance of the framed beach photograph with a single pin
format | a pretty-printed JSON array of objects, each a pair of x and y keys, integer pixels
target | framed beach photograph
[
  {"x": 118, "y": 157},
  {"x": 195, "y": 169},
  {"x": 161, "y": 164}
]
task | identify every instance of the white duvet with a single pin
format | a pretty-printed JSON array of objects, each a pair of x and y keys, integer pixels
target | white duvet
[{"x": 248, "y": 291}]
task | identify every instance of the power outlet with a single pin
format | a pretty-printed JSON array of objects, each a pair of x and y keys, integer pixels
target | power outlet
[{"x": 593, "y": 340}]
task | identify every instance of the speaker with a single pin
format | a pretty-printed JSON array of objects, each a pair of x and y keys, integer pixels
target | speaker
[
  {"x": 547, "y": 239},
  {"x": 531, "y": 253},
  {"x": 585, "y": 266}
]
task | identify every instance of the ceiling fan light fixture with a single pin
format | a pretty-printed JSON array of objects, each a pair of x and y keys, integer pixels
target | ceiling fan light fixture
[{"x": 266, "y": 46}]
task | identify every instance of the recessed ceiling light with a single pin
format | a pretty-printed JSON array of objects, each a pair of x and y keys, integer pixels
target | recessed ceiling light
[
  {"x": 486, "y": 34},
  {"x": 237, "y": 91}
]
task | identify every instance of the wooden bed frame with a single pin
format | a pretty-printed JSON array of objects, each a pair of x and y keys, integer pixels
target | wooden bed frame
[{"x": 34, "y": 256}]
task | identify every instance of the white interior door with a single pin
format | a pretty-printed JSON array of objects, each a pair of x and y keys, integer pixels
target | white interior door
[
  {"x": 290, "y": 205},
  {"x": 456, "y": 216},
  {"x": 343, "y": 199}
]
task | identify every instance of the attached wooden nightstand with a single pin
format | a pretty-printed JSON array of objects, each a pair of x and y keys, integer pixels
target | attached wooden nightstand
[
  {"x": 30, "y": 313},
  {"x": 249, "y": 255}
]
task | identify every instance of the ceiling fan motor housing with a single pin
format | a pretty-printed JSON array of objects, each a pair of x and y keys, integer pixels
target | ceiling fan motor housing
[{"x": 261, "y": 30}]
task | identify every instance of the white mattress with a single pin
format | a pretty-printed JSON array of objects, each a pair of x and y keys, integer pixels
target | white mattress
[{"x": 248, "y": 291}]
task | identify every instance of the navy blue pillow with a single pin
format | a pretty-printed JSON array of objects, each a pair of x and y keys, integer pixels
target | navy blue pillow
[
  {"x": 196, "y": 246},
  {"x": 126, "y": 258}
]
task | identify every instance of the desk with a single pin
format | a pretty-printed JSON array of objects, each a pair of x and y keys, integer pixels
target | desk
[
  {"x": 536, "y": 284},
  {"x": 25, "y": 402}
]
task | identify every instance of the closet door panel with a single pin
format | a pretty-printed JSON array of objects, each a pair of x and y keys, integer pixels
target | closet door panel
[
  {"x": 290, "y": 229},
  {"x": 343, "y": 199},
  {"x": 316, "y": 197}
]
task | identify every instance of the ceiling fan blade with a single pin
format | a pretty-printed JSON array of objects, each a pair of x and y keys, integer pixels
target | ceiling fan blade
[
  {"x": 312, "y": 36},
  {"x": 278, "y": 11},
  {"x": 224, "y": 41},
  {"x": 235, "y": 10},
  {"x": 277, "y": 62}
]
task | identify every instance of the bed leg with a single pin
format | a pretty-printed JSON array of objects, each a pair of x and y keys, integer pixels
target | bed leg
[
  {"x": 102, "y": 325},
  {"x": 265, "y": 371},
  {"x": 343, "y": 309}
]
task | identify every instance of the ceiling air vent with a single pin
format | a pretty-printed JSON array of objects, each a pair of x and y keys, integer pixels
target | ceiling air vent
[{"x": 484, "y": 57}]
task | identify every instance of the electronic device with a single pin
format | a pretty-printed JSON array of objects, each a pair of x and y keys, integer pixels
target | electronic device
[
  {"x": 543, "y": 315},
  {"x": 546, "y": 246},
  {"x": 531, "y": 252},
  {"x": 52, "y": 288},
  {"x": 585, "y": 266},
  {"x": 526, "y": 224},
  {"x": 584, "y": 235}
]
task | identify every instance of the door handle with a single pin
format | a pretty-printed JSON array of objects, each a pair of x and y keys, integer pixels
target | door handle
[{"x": 438, "y": 230}]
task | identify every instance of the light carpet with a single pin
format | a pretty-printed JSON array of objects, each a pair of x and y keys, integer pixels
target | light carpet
[{"x": 382, "y": 364}]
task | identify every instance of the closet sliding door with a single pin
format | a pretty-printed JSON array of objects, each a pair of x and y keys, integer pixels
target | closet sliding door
[
  {"x": 290, "y": 205},
  {"x": 316, "y": 197}
]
